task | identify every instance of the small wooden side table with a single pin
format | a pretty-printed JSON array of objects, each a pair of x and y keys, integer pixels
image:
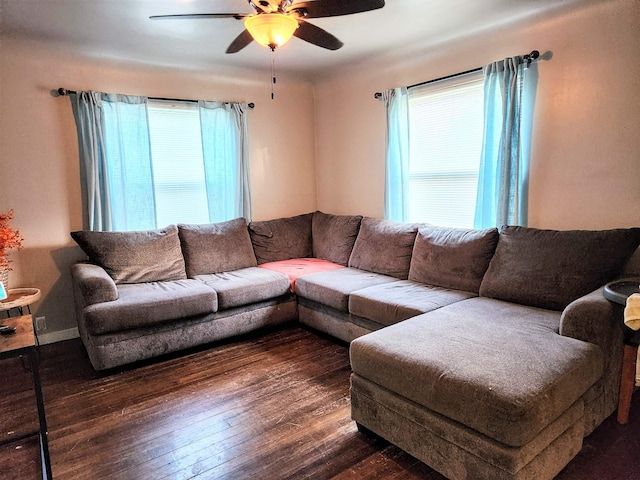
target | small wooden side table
[
  {"x": 19, "y": 298},
  {"x": 22, "y": 343},
  {"x": 618, "y": 292}
]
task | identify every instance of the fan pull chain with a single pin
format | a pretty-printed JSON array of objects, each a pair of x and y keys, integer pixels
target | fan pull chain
[{"x": 273, "y": 72}]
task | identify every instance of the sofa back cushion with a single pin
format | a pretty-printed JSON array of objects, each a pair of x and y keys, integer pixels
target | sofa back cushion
[
  {"x": 334, "y": 236},
  {"x": 216, "y": 247},
  {"x": 282, "y": 238},
  {"x": 384, "y": 246},
  {"x": 550, "y": 268},
  {"x": 454, "y": 258},
  {"x": 135, "y": 257}
]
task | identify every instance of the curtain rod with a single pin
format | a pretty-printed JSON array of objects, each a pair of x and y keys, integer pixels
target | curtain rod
[
  {"x": 63, "y": 92},
  {"x": 529, "y": 57}
]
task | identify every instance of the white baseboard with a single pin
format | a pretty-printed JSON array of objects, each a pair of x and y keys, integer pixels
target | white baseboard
[{"x": 59, "y": 336}]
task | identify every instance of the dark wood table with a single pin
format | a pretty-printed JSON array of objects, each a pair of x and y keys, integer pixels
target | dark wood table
[
  {"x": 618, "y": 292},
  {"x": 23, "y": 344}
]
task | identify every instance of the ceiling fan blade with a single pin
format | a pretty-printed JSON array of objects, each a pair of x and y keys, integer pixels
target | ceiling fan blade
[
  {"x": 191, "y": 16},
  {"x": 240, "y": 42},
  {"x": 334, "y": 8},
  {"x": 316, "y": 35}
]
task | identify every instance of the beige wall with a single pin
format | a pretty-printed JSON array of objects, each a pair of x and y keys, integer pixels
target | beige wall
[
  {"x": 39, "y": 174},
  {"x": 585, "y": 169}
]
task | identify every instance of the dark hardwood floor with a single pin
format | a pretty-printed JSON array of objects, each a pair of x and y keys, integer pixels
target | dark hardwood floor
[{"x": 268, "y": 406}]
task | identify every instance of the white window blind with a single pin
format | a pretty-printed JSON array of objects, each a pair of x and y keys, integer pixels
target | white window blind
[
  {"x": 446, "y": 128},
  {"x": 178, "y": 167}
]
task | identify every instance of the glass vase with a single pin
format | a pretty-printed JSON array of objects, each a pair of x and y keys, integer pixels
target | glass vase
[{"x": 4, "y": 279}]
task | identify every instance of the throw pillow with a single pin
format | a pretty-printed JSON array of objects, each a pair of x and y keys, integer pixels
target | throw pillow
[
  {"x": 454, "y": 258},
  {"x": 135, "y": 257},
  {"x": 216, "y": 247},
  {"x": 282, "y": 239},
  {"x": 334, "y": 236},
  {"x": 384, "y": 246},
  {"x": 550, "y": 269}
]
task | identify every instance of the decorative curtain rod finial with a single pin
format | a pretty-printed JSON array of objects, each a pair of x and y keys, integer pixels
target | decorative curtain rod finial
[{"x": 532, "y": 56}]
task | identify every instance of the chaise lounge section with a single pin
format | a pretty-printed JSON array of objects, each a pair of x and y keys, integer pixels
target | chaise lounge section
[
  {"x": 510, "y": 381},
  {"x": 484, "y": 353},
  {"x": 501, "y": 395}
]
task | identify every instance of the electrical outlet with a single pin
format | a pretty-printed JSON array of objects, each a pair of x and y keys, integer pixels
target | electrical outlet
[{"x": 41, "y": 324}]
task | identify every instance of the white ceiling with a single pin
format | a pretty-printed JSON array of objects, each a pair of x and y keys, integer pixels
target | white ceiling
[{"x": 121, "y": 30}]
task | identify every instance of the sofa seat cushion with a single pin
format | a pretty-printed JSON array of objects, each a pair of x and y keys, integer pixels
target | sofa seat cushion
[
  {"x": 246, "y": 286},
  {"x": 146, "y": 304},
  {"x": 391, "y": 303},
  {"x": 334, "y": 287},
  {"x": 498, "y": 368},
  {"x": 295, "y": 267}
]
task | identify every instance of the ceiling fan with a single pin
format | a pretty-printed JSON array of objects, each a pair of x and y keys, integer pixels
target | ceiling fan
[{"x": 274, "y": 22}]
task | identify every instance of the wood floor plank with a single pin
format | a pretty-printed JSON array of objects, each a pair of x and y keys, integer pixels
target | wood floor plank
[
  {"x": 18, "y": 414},
  {"x": 287, "y": 378},
  {"x": 149, "y": 414},
  {"x": 286, "y": 439},
  {"x": 21, "y": 460},
  {"x": 244, "y": 415},
  {"x": 299, "y": 403}
]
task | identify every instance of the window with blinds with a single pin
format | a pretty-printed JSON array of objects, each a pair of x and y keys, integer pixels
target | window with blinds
[
  {"x": 178, "y": 167},
  {"x": 446, "y": 128}
]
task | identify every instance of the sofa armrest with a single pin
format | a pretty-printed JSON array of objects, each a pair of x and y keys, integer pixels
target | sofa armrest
[
  {"x": 596, "y": 320},
  {"x": 93, "y": 284}
]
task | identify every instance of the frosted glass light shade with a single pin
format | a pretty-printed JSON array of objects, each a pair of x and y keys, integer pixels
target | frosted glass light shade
[{"x": 271, "y": 29}]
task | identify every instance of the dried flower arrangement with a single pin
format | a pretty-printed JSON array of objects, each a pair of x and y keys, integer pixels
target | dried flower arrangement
[{"x": 9, "y": 239}]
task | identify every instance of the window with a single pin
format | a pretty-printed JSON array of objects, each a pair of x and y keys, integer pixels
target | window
[
  {"x": 445, "y": 138},
  {"x": 146, "y": 163},
  {"x": 177, "y": 163}
]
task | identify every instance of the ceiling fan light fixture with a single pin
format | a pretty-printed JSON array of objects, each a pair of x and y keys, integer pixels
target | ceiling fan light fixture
[{"x": 271, "y": 29}]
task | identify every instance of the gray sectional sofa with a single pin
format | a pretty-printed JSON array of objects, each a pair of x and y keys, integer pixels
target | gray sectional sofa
[{"x": 484, "y": 353}]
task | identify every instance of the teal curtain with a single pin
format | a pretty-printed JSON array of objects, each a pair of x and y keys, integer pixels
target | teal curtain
[
  {"x": 93, "y": 160},
  {"x": 503, "y": 182},
  {"x": 115, "y": 161},
  {"x": 225, "y": 154},
  {"x": 396, "y": 193}
]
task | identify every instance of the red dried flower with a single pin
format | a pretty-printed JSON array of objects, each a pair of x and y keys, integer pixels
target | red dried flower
[{"x": 9, "y": 239}]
